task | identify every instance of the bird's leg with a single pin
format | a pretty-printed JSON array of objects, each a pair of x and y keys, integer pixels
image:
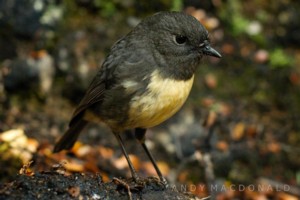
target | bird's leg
[
  {"x": 133, "y": 171},
  {"x": 140, "y": 136}
]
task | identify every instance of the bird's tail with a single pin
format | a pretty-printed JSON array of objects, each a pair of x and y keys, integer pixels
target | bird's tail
[{"x": 69, "y": 138}]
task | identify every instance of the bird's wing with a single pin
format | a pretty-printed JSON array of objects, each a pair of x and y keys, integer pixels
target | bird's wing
[
  {"x": 111, "y": 72},
  {"x": 95, "y": 92}
]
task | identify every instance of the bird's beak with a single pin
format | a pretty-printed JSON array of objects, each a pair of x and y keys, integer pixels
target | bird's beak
[{"x": 209, "y": 51}]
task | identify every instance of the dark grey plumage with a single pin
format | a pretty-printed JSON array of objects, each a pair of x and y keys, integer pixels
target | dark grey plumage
[{"x": 145, "y": 79}]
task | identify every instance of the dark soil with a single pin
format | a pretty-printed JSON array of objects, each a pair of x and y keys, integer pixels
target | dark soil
[{"x": 53, "y": 185}]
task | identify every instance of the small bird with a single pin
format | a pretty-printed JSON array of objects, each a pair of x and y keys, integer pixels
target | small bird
[{"x": 144, "y": 80}]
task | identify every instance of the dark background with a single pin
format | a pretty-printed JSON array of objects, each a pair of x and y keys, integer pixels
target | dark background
[{"x": 244, "y": 109}]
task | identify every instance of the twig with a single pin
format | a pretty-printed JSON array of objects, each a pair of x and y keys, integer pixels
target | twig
[{"x": 125, "y": 185}]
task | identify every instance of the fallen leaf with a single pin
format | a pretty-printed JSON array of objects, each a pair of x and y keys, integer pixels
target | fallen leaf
[
  {"x": 163, "y": 166},
  {"x": 238, "y": 131},
  {"x": 228, "y": 48},
  {"x": 274, "y": 147},
  {"x": 210, "y": 81},
  {"x": 74, "y": 166},
  {"x": 199, "y": 189},
  {"x": 91, "y": 165},
  {"x": 15, "y": 137},
  {"x": 199, "y": 14},
  {"x": 251, "y": 131},
  {"x": 82, "y": 151},
  {"x": 121, "y": 163},
  {"x": 224, "y": 109},
  {"x": 211, "y": 119},
  {"x": 285, "y": 196},
  {"x": 32, "y": 145},
  {"x": 105, "y": 152},
  {"x": 182, "y": 177},
  {"x": 207, "y": 102},
  {"x": 252, "y": 194},
  {"x": 211, "y": 23},
  {"x": 76, "y": 146},
  {"x": 25, "y": 170},
  {"x": 222, "y": 146}
]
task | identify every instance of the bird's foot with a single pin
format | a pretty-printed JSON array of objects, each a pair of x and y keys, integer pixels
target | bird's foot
[
  {"x": 136, "y": 184},
  {"x": 160, "y": 181}
]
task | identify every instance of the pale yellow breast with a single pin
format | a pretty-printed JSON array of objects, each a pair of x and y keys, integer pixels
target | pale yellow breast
[{"x": 163, "y": 99}]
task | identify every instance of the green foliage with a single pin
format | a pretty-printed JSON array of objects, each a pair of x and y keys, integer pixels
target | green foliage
[
  {"x": 107, "y": 7},
  {"x": 239, "y": 24},
  {"x": 298, "y": 177},
  {"x": 231, "y": 12},
  {"x": 177, "y": 5},
  {"x": 260, "y": 40},
  {"x": 279, "y": 59}
]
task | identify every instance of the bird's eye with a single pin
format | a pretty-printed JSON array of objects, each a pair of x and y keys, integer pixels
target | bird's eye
[{"x": 180, "y": 39}]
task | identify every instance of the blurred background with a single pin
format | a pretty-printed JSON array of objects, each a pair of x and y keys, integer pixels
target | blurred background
[{"x": 239, "y": 127}]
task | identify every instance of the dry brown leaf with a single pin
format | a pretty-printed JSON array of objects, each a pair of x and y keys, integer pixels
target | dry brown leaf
[
  {"x": 25, "y": 170},
  {"x": 148, "y": 168},
  {"x": 210, "y": 81},
  {"x": 19, "y": 145},
  {"x": 91, "y": 165},
  {"x": 82, "y": 150},
  {"x": 228, "y": 48},
  {"x": 105, "y": 152},
  {"x": 211, "y": 119},
  {"x": 32, "y": 145},
  {"x": 200, "y": 190},
  {"x": 60, "y": 167},
  {"x": 76, "y": 146},
  {"x": 285, "y": 196},
  {"x": 135, "y": 161},
  {"x": 251, "y": 131},
  {"x": 207, "y": 102},
  {"x": 238, "y": 131},
  {"x": 224, "y": 109},
  {"x": 211, "y": 23},
  {"x": 105, "y": 177},
  {"x": 251, "y": 194},
  {"x": 222, "y": 145},
  {"x": 163, "y": 166},
  {"x": 15, "y": 137},
  {"x": 199, "y": 14},
  {"x": 74, "y": 166},
  {"x": 182, "y": 177},
  {"x": 274, "y": 147},
  {"x": 121, "y": 163}
]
